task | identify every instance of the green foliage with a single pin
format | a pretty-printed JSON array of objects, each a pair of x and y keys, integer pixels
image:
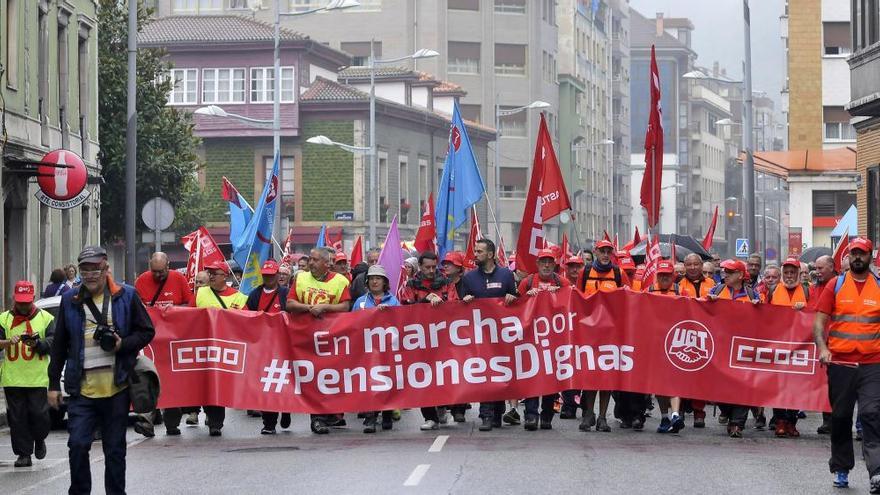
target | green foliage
[{"x": 167, "y": 162}]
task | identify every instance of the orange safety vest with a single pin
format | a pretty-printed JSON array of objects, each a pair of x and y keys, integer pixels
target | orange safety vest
[
  {"x": 671, "y": 291},
  {"x": 724, "y": 292},
  {"x": 595, "y": 281},
  {"x": 780, "y": 296},
  {"x": 689, "y": 289},
  {"x": 854, "y": 332}
]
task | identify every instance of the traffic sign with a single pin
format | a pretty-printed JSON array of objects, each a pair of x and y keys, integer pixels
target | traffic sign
[
  {"x": 158, "y": 214},
  {"x": 62, "y": 178},
  {"x": 742, "y": 248}
]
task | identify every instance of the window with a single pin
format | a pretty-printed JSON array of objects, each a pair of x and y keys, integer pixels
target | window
[
  {"x": 197, "y": 5},
  {"x": 513, "y": 125},
  {"x": 403, "y": 187},
  {"x": 470, "y": 112},
  {"x": 62, "y": 76},
  {"x": 184, "y": 89},
  {"x": 11, "y": 61},
  {"x": 263, "y": 85},
  {"x": 222, "y": 85},
  {"x": 242, "y": 4},
  {"x": 463, "y": 4},
  {"x": 873, "y": 174},
  {"x": 548, "y": 11},
  {"x": 360, "y": 51},
  {"x": 424, "y": 187},
  {"x": 832, "y": 203},
  {"x": 510, "y": 6},
  {"x": 43, "y": 70},
  {"x": 512, "y": 182},
  {"x": 836, "y": 37},
  {"x": 464, "y": 57},
  {"x": 85, "y": 100},
  {"x": 839, "y": 131},
  {"x": 384, "y": 203},
  {"x": 286, "y": 174},
  {"x": 510, "y": 60},
  {"x": 306, "y": 5}
]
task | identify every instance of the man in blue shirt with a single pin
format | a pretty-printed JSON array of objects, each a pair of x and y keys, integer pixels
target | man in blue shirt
[{"x": 489, "y": 280}]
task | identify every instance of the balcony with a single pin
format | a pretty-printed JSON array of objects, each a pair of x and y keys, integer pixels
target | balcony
[
  {"x": 707, "y": 96},
  {"x": 864, "y": 86}
]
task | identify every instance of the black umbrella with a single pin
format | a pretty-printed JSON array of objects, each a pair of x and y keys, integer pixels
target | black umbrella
[
  {"x": 684, "y": 245},
  {"x": 810, "y": 255}
]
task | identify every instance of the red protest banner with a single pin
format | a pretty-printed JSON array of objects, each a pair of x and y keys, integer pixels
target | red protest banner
[{"x": 457, "y": 352}]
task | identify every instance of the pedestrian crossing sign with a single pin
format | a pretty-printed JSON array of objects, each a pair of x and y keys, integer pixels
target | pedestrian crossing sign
[{"x": 742, "y": 248}]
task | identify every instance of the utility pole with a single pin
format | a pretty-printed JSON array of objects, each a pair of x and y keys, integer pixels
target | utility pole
[
  {"x": 748, "y": 133},
  {"x": 131, "y": 146}
]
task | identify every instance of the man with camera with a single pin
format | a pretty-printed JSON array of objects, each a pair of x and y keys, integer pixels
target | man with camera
[
  {"x": 100, "y": 329},
  {"x": 26, "y": 335}
]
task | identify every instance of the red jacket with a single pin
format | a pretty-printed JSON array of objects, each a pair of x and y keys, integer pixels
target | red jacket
[{"x": 418, "y": 288}]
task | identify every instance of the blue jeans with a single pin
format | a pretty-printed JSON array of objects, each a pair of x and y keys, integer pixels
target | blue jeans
[{"x": 83, "y": 415}]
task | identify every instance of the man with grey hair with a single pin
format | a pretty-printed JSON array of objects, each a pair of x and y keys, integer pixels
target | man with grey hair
[{"x": 826, "y": 272}]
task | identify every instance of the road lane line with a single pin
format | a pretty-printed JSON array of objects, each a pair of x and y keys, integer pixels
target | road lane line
[
  {"x": 416, "y": 476},
  {"x": 438, "y": 444}
]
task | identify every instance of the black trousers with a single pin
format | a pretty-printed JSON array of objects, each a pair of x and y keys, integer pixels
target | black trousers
[
  {"x": 568, "y": 403},
  {"x": 629, "y": 406},
  {"x": 736, "y": 414},
  {"x": 27, "y": 411},
  {"x": 492, "y": 410},
  {"x": 433, "y": 413},
  {"x": 270, "y": 419},
  {"x": 788, "y": 415},
  {"x": 547, "y": 403},
  {"x": 216, "y": 416},
  {"x": 846, "y": 386}
]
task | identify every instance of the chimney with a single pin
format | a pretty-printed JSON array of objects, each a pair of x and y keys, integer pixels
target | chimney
[
  {"x": 659, "y": 24},
  {"x": 715, "y": 69}
]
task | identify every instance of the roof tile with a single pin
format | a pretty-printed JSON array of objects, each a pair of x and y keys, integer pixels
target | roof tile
[{"x": 210, "y": 28}]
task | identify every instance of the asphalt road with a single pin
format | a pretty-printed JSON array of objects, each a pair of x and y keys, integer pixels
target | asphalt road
[{"x": 455, "y": 459}]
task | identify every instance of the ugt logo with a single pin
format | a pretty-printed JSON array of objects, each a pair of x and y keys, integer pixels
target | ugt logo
[{"x": 689, "y": 345}]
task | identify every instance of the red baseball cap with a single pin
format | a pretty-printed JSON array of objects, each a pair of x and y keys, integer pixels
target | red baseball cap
[
  {"x": 24, "y": 292},
  {"x": 454, "y": 257},
  {"x": 625, "y": 261},
  {"x": 861, "y": 243},
  {"x": 547, "y": 253},
  {"x": 340, "y": 256},
  {"x": 574, "y": 260},
  {"x": 735, "y": 265},
  {"x": 270, "y": 267},
  {"x": 792, "y": 261},
  {"x": 604, "y": 244},
  {"x": 665, "y": 266},
  {"x": 218, "y": 265}
]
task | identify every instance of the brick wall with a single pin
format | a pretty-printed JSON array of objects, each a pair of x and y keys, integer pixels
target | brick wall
[
  {"x": 868, "y": 155},
  {"x": 233, "y": 158},
  {"x": 805, "y": 130},
  {"x": 327, "y": 171}
]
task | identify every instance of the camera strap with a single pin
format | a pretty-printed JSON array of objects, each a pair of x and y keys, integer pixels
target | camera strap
[
  {"x": 100, "y": 318},
  {"x": 219, "y": 299},
  {"x": 158, "y": 292}
]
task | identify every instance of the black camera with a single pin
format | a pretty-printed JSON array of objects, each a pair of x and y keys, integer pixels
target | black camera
[
  {"x": 105, "y": 337},
  {"x": 25, "y": 337}
]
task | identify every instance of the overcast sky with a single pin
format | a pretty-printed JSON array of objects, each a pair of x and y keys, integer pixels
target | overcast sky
[{"x": 718, "y": 35}]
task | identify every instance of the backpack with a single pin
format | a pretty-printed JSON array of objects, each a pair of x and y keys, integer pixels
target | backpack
[
  {"x": 842, "y": 276},
  {"x": 618, "y": 280},
  {"x": 750, "y": 292},
  {"x": 674, "y": 289}
]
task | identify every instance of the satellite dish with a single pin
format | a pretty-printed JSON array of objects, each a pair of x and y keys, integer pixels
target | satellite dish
[{"x": 565, "y": 217}]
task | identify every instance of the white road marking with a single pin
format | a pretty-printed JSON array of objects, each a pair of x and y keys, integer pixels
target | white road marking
[
  {"x": 438, "y": 444},
  {"x": 416, "y": 476}
]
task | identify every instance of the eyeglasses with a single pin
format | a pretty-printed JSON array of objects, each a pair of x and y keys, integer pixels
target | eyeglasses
[
  {"x": 214, "y": 274},
  {"x": 91, "y": 273}
]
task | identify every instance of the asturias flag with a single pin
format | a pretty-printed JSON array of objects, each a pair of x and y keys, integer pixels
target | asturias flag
[
  {"x": 257, "y": 237},
  {"x": 460, "y": 187}
]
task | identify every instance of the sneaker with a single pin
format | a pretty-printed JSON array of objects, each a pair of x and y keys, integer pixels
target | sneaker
[
  {"x": 285, "y": 420},
  {"x": 841, "y": 479},
  {"x": 875, "y": 484},
  {"x": 370, "y": 424},
  {"x": 677, "y": 423},
  {"x": 760, "y": 422},
  {"x": 267, "y": 431},
  {"x": 665, "y": 426},
  {"x": 511, "y": 417},
  {"x": 40, "y": 449},
  {"x": 602, "y": 425},
  {"x": 171, "y": 432},
  {"x": 23, "y": 461},
  {"x": 319, "y": 427},
  {"x": 531, "y": 423},
  {"x": 215, "y": 432},
  {"x": 791, "y": 431},
  {"x": 192, "y": 419},
  {"x": 722, "y": 419},
  {"x": 443, "y": 415},
  {"x": 824, "y": 429},
  {"x": 802, "y": 415},
  {"x": 781, "y": 426},
  {"x": 699, "y": 419},
  {"x": 625, "y": 424},
  {"x": 588, "y": 420},
  {"x": 336, "y": 421},
  {"x": 145, "y": 429},
  {"x": 486, "y": 425},
  {"x": 430, "y": 425},
  {"x": 638, "y": 424},
  {"x": 458, "y": 417},
  {"x": 734, "y": 431}
]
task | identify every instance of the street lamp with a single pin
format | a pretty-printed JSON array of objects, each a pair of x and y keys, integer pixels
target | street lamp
[
  {"x": 324, "y": 140},
  {"x": 215, "y": 111},
  {"x": 537, "y": 104},
  {"x": 374, "y": 164}
]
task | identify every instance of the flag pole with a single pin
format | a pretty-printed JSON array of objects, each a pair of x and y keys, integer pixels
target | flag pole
[{"x": 494, "y": 219}]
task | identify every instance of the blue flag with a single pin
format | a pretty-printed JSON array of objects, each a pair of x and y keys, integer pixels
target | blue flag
[
  {"x": 460, "y": 187},
  {"x": 321, "y": 235},
  {"x": 240, "y": 213},
  {"x": 256, "y": 242}
]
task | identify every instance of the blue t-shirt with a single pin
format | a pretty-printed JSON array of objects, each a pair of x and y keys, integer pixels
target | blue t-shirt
[{"x": 498, "y": 283}]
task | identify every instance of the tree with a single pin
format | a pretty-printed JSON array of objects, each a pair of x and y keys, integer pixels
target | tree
[{"x": 167, "y": 162}]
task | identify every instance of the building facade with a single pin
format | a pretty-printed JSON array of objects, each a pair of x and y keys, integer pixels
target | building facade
[
  {"x": 503, "y": 53},
  {"x": 49, "y": 84}
]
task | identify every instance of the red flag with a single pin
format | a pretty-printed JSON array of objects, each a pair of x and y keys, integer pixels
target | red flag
[
  {"x": 501, "y": 255},
  {"x": 546, "y": 198},
  {"x": 427, "y": 230},
  {"x": 672, "y": 250},
  {"x": 475, "y": 235},
  {"x": 202, "y": 252},
  {"x": 841, "y": 250},
  {"x": 634, "y": 242},
  {"x": 650, "y": 192},
  {"x": 707, "y": 241},
  {"x": 337, "y": 244},
  {"x": 566, "y": 249},
  {"x": 357, "y": 252},
  {"x": 652, "y": 257},
  {"x": 607, "y": 237},
  {"x": 616, "y": 243},
  {"x": 229, "y": 192}
]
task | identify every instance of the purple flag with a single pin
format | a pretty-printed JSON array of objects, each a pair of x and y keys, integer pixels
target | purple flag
[{"x": 391, "y": 257}]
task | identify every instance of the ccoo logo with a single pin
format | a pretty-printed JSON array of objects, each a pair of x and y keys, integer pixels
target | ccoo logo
[{"x": 689, "y": 345}]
